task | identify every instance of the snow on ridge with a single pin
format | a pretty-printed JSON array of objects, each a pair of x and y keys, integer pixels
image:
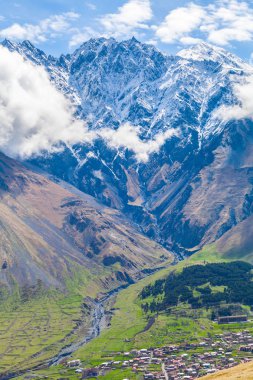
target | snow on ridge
[
  {"x": 113, "y": 83},
  {"x": 207, "y": 52}
]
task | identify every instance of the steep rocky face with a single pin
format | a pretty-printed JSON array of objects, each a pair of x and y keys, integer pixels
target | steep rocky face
[
  {"x": 113, "y": 81},
  {"x": 213, "y": 195},
  {"x": 50, "y": 231},
  {"x": 198, "y": 185}
]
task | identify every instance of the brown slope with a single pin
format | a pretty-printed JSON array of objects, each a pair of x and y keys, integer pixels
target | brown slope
[
  {"x": 240, "y": 372},
  {"x": 237, "y": 243},
  {"x": 46, "y": 230},
  {"x": 210, "y": 194}
]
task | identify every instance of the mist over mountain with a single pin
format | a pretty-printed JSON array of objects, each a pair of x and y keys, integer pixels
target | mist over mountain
[{"x": 170, "y": 140}]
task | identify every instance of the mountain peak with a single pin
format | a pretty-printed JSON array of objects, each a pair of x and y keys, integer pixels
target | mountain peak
[
  {"x": 9, "y": 44},
  {"x": 204, "y": 51},
  {"x": 97, "y": 41},
  {"x": 28, "y": 44},
  {"x": 93, "y": 44},
  {"x": 201, "y": 51},
  {"x": 134, "y": 40}
]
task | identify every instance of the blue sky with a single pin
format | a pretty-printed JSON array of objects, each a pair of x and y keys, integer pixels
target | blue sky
[{"x": 58, "y": 26}]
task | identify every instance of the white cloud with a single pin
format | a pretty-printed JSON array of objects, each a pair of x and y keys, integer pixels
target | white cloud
[
  {"x": 190, "y": 40},
  {"x": 220, "y": 23},
  {"x": 45, "y": 29},
  {"x": 80, "y": 36},
  {"x": 127, "y": 136},
  {"x": 34, "y": 115},
  {"x": 131, "y": 17},
  {"x": 180, "y": 22},
  {"x": 243, "y": 110}
]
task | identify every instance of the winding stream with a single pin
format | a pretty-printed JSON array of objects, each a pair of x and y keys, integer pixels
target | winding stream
[
  {"x": 98, "y": 323},
  {"x": 98, "y": 318}
]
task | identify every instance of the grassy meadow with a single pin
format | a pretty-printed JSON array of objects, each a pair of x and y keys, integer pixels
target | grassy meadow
[
  {"x": 33, "y": 332},
  {"x": 127, "y": 330}
]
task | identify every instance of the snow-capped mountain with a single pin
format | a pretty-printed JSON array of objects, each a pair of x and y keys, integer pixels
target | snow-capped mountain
[
  {"x": 130, "y": 81},
  {"x": 198, "y": 185},
  {"x": 57, "y": 68}
]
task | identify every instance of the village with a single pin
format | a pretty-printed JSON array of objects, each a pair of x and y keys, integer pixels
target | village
[{"x": 187, "y": 361}]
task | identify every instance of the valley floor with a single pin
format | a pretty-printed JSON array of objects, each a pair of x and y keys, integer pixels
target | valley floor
[{"x": 131, "y": 331}]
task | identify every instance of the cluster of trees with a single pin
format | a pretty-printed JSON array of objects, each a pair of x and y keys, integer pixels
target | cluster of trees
[
  {"x": 28, "y": 292},
  {"x": 227, "y": 310},
  {"x": 194, "y": 286}
]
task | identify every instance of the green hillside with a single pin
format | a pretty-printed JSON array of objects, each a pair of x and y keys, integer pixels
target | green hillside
[
  {"x": 133, "y": 328},
  {"x": 36, "y": 322},
  {"x": 129, "y": 321}
]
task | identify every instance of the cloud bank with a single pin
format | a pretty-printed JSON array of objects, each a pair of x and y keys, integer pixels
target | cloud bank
[
  {"x": 180, "y": 22},
  {"x": 132, "y": 16},
  {"x": 50, "y": 27},
  {"x": 127, "y": 137},
  {"x": 35, "y": 117},
  {"x": 219, "y": 22},
  {"x": 244, "y": 108}
]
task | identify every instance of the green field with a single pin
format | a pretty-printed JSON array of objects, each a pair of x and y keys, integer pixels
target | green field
[
  {"x": 129, "y": 321},
  {"x": 59, "y": 373},
  {"x": 34, "y": 331}
]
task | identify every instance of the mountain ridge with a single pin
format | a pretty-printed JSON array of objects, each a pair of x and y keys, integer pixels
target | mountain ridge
[{"x": 187, "y": 194}]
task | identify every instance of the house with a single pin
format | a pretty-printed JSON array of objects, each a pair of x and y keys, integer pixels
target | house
[
  {"x": 90, "y": 372},
  {"x": 149, "y": 376},
  {"x": 246, "y": 348},
  {"x": 74, "y": 363},
  {"x": 232, "y": 319}
]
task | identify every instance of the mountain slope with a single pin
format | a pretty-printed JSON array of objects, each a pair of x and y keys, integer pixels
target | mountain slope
[
  {"x": 237, "y": 242},
  {"x": 240, "y": 372},
  {"x": 194, "y": 188},
  {"x": 49, "y": 232}
]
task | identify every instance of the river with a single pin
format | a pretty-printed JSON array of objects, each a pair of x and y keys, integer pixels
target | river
[{"x": 99, "y": 322}]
